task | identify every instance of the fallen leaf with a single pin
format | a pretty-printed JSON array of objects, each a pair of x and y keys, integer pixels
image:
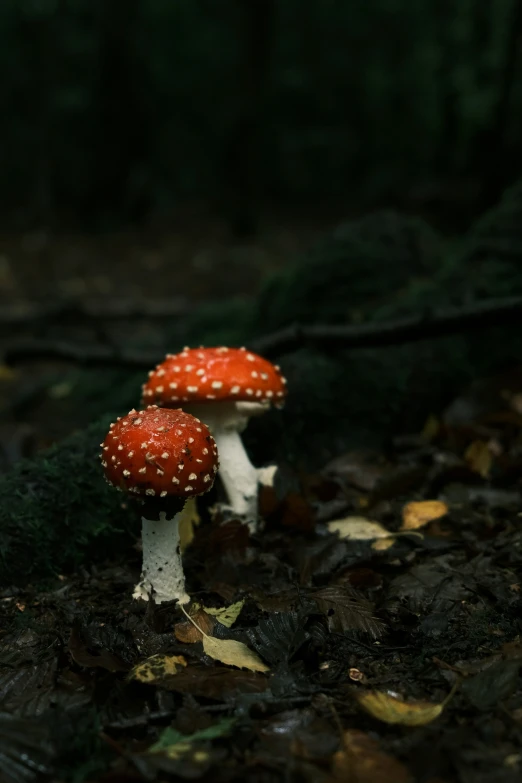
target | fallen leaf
[
  {"x": 383, "y": 544},
  {"x": 233, "y": 653},
  {"x": 190, "y": 632},
  {"x": 265, "y": 476},
  {"x": 188, "y": 521},
  {"x": 214, "y": 682},
  {"x": 491, "y": 686},
  {"x": 358, "y": 529},
  {"x": 362, "y": 761},
  {"x": 419, "y": 514},
  {"x": 389, "y": 708},
  {"x": 227, "y": 615},
  {"x": 174, "y": 744},
  {"x": 347, "y": 611},
  {"x": 431, "y": 428},
  {"x": 157, "y": 667},
  {"x": 479, "y": 457}
]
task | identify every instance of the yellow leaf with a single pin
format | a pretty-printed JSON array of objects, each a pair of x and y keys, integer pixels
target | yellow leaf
[
  {"x": 157, "y": 667},
  {"x": 227, "y": 615},
  {"x": 479, "y": 457},
  {"x": 383, "y": 544},
  {"x": 233, "y": 654},
  {"x": 418, "y": 514},
  {"x": 431, "y": 428},
  {"x": 389, "y": 708},
  {"x": 7, "y": 373},
  {"x": 188, "y": 521},
  {"x": 358, "y": 529}
]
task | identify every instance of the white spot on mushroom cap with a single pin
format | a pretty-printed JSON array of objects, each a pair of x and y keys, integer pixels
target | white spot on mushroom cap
[
  {"x": 188, "y": 488},
  {"x": 192, "y": 477},
  {"x": 126, "y": 473},
  {"x": 150, "y": 492},
  {"x": 235, "y": 390},
  {"x": 192, "y": 389},
  {"x": 217, "y": 384},
  {"x": 175, "y": 480}
]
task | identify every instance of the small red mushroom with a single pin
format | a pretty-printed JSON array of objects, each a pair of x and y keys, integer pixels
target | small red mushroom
[
  {"x": 161, "y": 457},
  {"x": 224, "y": 387}
]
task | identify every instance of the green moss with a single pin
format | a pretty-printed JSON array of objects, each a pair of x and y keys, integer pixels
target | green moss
[{"x": 57, "y": 512}]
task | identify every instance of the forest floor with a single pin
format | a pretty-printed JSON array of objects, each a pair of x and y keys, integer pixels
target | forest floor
[
  {"x": 376, "y": 641},
  {"x": 376, "y": 622}
]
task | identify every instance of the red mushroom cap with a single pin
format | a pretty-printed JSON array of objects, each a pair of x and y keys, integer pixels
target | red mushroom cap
[
  {"x": 209, "y": 374},
  {"x": 160, "y": 452}
]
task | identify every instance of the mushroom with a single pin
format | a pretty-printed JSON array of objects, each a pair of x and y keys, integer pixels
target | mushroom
[
  {"x": 224, "y": 387},
  {"x": 161, "y": 457}
]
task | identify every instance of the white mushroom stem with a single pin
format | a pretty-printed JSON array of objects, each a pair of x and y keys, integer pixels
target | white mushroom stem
[
  {"x": 162, "y": 572},
  {"x": 226, "y": 420}
]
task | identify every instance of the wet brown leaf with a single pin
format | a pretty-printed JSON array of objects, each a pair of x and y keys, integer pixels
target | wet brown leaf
[
  {"x": 362, "y": 761},
  {"x": 186, "y": 632},
  {"x": 215, "y": 682},
  {"x": 347, "y": 611}
]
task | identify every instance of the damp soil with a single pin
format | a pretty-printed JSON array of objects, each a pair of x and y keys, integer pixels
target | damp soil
[{"x": 382, "y": 639}]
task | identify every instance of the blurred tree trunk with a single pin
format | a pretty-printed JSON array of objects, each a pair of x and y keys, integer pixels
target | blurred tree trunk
[
  {"x": 36, "y": 36},
  {"x": 242, "y": 153},
  {"x": 449, "y": 57},
  {"x": 499, "y": 162},
  {"x": 120, "y": 136}
]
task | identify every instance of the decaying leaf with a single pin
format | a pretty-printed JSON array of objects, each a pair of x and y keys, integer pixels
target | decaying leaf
[
  {"x": 419, "y": 514},
  {"x": 479, "y": 457},
  {"x": 279, "y": 636},
  {"x": 362, "y": 761},
  {"x": 188, "y": 521},
  {"x": 189, "y": 632},
  {"x": 174, "y": 744},
  {"x": 157, "y": 667},
  {"x": 347, "y": 611},
  {"x": 233, "y": 653},
  {"x": 215, "y": 682},
  {"x": 227, "y": 615},
  {"x": 431, "y": 428},
  {"x": 390, "y": 708},
  {"x": 358, "y": 529}
]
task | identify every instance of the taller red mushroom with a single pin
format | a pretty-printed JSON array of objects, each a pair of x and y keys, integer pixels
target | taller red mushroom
[
  {"x": 161, "y": 457},
  {"x": 224, "y": 387}
]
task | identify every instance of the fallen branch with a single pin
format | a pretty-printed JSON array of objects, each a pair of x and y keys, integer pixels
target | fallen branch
[
  {"x": 29, "y": 314},
  {"x": 483, "y": 315}
]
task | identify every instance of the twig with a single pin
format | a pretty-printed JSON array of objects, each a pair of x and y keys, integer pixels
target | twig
[
  {"x": 486, "y": 314},
  {"x": 29, "y": 314},
  {"x": 483, "y": 315},
  {"x": 88, "y": 356}
]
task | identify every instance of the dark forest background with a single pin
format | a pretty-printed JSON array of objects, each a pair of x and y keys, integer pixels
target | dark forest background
[{"x": 114, "y": 110}]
